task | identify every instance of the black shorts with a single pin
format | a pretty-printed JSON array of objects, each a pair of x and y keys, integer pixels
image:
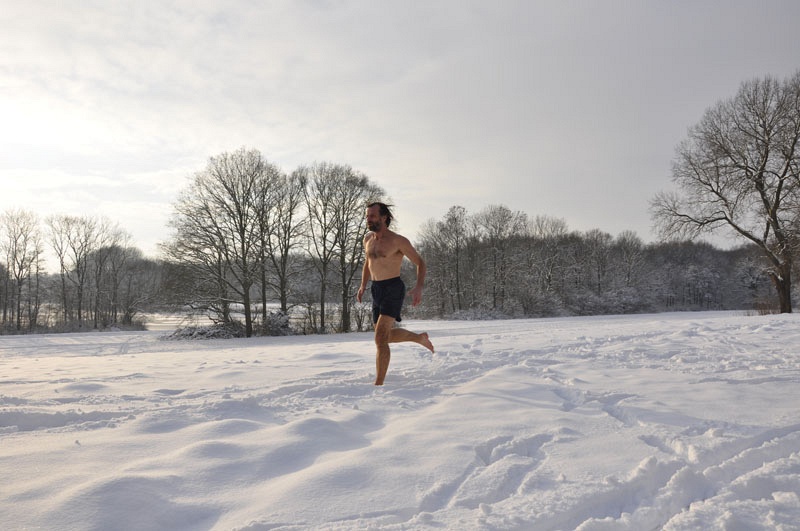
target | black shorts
[{"x": 387, "y": 298}]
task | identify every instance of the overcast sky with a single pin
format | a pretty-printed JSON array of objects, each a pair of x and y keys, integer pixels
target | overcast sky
[{"x": 566, "y": 109}]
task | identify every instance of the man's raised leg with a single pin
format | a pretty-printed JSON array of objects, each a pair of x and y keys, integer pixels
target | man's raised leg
[
  {"x": 385, "y": 333},
  {"x": 399, "y": 335}
]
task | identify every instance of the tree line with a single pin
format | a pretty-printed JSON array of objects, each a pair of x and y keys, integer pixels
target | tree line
[
  {"x": 500, "y": 263},
  {"x": 490, "y": 264},
  {"x": 101, "y": 279},
  {"x": 253, "y": 244},
  {"x": 252, "y": 241}
]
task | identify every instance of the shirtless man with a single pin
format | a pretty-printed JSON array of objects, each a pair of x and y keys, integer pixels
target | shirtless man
[{"x": 385, "y": 250}]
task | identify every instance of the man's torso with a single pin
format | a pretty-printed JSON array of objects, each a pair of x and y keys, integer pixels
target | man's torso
[{"x": 384, "y": 257}]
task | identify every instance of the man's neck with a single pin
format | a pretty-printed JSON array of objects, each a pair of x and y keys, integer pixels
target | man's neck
[{"x": 381, "y": 233}]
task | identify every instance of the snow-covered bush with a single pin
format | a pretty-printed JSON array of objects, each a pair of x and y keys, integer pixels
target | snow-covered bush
[
  {"x": 216, "y": 331},
  {"x": 276, "y": 324}
]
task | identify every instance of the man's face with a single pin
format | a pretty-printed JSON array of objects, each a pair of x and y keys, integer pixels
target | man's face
[{"x": 374, "y": 219}]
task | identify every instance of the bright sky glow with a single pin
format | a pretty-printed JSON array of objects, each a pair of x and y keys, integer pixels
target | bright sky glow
[{"x": 569, "y": 109}]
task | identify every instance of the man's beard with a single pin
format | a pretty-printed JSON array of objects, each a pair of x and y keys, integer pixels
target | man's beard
[{"x": 374, "y": 226}]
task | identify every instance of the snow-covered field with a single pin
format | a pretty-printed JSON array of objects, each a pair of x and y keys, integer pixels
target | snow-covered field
[{"x": 671, "y": 421}]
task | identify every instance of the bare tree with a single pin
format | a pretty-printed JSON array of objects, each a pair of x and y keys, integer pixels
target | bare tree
[
  {"x": 319, "y": 198},
  {"x": 217, "y": 229},
  {"x": 118, "y": 269},
  {"x": 545, "y": 254},
  {"x": 336, "y": 197},
  {"x": 354, "y": 193},
  {"x": 266, "y": 194},
  {"x": 739, "y": 168},
  {"x": 500, "y": 225},
  {"x": 140, "y": 280},
  {"x": 73, "y": 239},
  {"x": 110, "y": 239},
  {"x": 434, "y": 248},
  {"x": 628, "y": 250},
  {"x": 548, "y": 227},
  {"x": 59, "y": 227},
  {"x": 23, "y": 250},
  {"x": 282, "y": 231},
  {"x": 454, "y": 229},
  {"x": 597, "y": 248},
  {"x": 447, "y": 243},
  {"x": 196, "y": 250}
]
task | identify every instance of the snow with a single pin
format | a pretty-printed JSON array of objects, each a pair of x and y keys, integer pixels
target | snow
[{"x": 669, "y": 421}]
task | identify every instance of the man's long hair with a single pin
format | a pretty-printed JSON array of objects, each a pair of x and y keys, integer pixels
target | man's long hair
[{"x": 383, "y": 208}]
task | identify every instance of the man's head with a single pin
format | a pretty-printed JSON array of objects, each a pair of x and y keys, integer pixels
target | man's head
[{"x": 378, "y": 216}]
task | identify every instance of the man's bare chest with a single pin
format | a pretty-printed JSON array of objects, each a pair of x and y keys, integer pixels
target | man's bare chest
[{"x": 378, "y": 250}]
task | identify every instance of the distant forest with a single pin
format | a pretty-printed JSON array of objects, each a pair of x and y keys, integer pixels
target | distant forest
[
  {"x": 498, "y": 263},
  {"x": 269, "y": 253}
]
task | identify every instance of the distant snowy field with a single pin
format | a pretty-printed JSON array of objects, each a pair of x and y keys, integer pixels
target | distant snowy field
[{"x": 670, "y": 421}]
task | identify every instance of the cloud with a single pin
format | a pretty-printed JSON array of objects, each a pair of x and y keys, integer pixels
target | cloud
[{"x": 566, "y": 109}]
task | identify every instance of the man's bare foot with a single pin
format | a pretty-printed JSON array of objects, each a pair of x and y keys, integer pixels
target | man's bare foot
[{"x": 425, "y": 342}]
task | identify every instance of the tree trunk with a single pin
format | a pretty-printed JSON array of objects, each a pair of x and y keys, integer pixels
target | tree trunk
[
  {"x": 783, "y": 285},
  {"x": 284, "y": 295},
  {"x": 346, "y": 325},
  {"x": 263, "y": 268},
  {"x": 323, "y": 290},
  {"x": 248, "y": 311},
  {"x": 19, "y": 305}
]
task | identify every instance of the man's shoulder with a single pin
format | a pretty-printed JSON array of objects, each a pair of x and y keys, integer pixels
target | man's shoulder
[
  {"x": 397, "y": 239},
  {"x": 400, "y": 238}
]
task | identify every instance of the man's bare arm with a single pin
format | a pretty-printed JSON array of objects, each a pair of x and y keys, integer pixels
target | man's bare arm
[
  {"x": 365, "y": 275},
  {"x": 408, "y": 250}
]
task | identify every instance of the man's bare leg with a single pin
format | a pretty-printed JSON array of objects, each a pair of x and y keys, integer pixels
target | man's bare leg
[
  {"x": 383, "y": 331},
  {"x": 399, "y": 335}
]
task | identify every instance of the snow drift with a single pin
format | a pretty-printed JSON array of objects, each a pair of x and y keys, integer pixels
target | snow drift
[{"x": 673, "y": 421}]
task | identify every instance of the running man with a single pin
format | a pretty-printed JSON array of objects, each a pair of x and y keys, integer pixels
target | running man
[{"x": 384, "y": 251}]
